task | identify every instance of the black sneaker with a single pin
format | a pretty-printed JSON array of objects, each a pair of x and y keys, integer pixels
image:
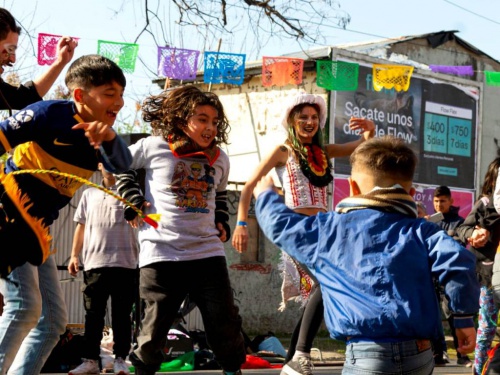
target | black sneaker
[
  {"x": 464, "y": 361},
  {"x": 441, "y": 360},
  {"x": 140, "y": 367},
  {"x": 301, "y": 366}
]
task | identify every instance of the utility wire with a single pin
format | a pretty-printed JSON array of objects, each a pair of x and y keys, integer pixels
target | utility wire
[
  {"x": 365, "y": 33},
  {"x": 471, "y": 12}
]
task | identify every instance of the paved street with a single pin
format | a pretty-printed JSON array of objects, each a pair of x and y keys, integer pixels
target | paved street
[{"x": 318, "y": 370}]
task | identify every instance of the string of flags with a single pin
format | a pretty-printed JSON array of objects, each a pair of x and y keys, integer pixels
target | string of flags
[{"x": 225, "y": 67}]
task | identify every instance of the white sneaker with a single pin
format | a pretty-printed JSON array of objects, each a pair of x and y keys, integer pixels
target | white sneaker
[
  {"x": 120, "y": 367},
  {"x": 300, "y": 366},
  {"x": 88, "y": 367}
]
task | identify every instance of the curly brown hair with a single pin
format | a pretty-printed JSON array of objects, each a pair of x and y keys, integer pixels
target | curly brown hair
[{"x": 169, "y": 111}]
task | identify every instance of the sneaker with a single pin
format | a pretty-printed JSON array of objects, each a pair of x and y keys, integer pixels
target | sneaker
[
  {"x": 88, "y": 367},
  {"x": 441, "y": 360},
  {"x": 301, "y": 366},
  {"x": 120, "y": 367},
  {"x": 232, "y": 373},
  {"x": 464, "y": 361}
]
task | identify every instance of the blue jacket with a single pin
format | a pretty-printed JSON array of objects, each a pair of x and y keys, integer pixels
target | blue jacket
[{"x": 375, "y": 269}]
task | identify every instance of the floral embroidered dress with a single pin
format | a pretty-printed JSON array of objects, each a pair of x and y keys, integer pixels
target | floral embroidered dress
[{"x": 299, "y": 192}]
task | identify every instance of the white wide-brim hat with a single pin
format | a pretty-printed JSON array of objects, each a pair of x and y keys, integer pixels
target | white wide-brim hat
[{"x": 303, "y": 98}]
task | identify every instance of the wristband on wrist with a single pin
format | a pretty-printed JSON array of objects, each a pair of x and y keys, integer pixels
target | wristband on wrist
[{"x": 242, "y": 224}]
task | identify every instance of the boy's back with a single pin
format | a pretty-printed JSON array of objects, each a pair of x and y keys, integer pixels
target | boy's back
[{"x": 373, "y": 268}]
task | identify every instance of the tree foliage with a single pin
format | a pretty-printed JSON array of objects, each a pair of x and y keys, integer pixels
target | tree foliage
[{"x": 301, "y": 20}]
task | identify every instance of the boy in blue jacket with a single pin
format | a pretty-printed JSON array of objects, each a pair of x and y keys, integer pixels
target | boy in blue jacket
[{"x": 374, "y": 260}]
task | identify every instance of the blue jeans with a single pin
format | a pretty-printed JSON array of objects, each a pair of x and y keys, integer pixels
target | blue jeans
[
  {"x": 33, "y": 318},
  {"x": 390, "y": 358}
]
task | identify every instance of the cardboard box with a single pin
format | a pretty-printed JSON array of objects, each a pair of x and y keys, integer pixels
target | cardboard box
[{"x": 177, "y": 345}]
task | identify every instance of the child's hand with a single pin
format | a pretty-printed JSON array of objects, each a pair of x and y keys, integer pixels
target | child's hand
[
  {"x": 466, "y": 340},
  {"x": 73, "y": 266},
  {"x": 137, "y": 221},
  {"x": 240, "y": 238},
  {"x": 368, "y": 127},
  {"x": 222, "y": 232},
  {"x": 479, "y": 237},
  {"x": 265, "y": 183},
  {"x": 97, "y": 132}
]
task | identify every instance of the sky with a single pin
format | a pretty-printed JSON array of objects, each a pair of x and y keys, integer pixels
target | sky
[{"x": 478, "y": 23}]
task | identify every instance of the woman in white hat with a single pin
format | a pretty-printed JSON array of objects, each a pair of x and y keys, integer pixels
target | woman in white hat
[{"x": 304, "y": 168}]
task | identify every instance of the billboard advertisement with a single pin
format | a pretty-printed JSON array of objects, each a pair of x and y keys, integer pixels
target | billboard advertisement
[
  {"x": 438, "y": 120},
  {"x": 464, "y": 200}
]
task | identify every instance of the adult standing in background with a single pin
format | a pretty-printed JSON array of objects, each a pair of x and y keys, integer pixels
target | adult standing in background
[{"x": 17, "y": 97}]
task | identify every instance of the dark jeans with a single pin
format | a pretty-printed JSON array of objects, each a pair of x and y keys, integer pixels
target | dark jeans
[
  {"x": 439, "y": 343},
  {"x": 100, "y": 284},
  {"x": 451, "y": 322},
  {"x": 163, "y": 287},
  {"x": 308, "y": 325}
]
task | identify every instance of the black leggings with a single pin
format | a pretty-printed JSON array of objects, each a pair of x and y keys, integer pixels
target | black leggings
[{"x": 308, "y": 325}]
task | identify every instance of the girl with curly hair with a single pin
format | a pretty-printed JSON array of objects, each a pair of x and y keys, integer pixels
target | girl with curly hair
[{"x": 185, "y": 254}]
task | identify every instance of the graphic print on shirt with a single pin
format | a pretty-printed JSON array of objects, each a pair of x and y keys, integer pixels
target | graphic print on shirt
[
  {"x": 20, "y": 118},
  {"x": 181, "y": 172},
  {"x": 192, "y": 186}
]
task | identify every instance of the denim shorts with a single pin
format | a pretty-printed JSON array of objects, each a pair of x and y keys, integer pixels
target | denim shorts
[{"x": 412, "y": 357}]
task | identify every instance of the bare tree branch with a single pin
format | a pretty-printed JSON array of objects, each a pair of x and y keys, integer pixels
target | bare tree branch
[
  {"x": 296, "y": 19},
  {"x": 275, "y": 16}
]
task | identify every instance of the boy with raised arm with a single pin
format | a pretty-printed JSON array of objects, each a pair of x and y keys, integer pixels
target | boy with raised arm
[{"x": 70, "y": 137}]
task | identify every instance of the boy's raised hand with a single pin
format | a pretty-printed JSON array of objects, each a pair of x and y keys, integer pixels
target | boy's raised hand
[
  {"x": 97, "y": 132},
  {"x": 265, "y": 183},
  {"x": 361, "y": 123}
]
